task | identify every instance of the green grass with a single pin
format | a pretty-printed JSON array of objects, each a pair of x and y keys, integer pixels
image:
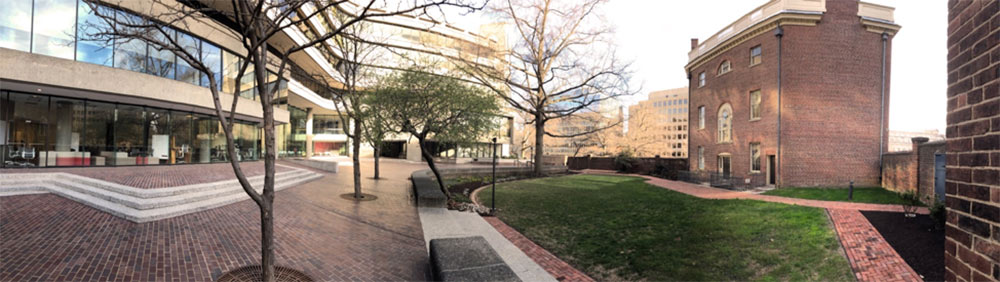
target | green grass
[
  {"x": 874, "y": 195},
  {"x": 620, "y": 228}
]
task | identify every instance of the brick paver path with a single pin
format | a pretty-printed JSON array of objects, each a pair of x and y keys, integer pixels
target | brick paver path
[
  {"x": 871, "y": 257},
  {"x": 559, "y": 269},
  {"x": 50, "y": 238},
  {"x": 157, "y": 176}
]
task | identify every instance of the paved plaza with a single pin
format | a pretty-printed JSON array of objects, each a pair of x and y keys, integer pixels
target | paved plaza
[{"x": 48, "y": 237}]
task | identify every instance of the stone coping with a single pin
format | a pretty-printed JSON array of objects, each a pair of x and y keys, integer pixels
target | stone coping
[{"x": 467, "y": 259}]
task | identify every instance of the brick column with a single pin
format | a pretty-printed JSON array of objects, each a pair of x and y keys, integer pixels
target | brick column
[{"x": 972, "y": 244}]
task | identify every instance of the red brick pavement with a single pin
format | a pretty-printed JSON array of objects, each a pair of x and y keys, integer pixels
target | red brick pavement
[
  {"x": 49, "y": 238},
  {"x": 559, "y": 269},
  {"x": 871, "y": 257},
  {"x": 158, "y": 176}
]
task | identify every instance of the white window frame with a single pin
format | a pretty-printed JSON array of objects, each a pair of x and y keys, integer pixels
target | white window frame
[
  {"x": 701, "y": 117},
  {"x": 724, "y": 67},
  {"x": 755, "y": 105},
  {"x": 755, "y": 158},
  {"x": 701, "y": 79},
  {"x": 724, "y": 126},
  {"x": 701, "y": 158},
  {"x": 760, "y": 55}
]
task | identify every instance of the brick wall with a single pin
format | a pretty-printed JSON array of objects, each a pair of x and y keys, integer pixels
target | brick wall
[
  {"x": 972, "y": 245},
  {"x": 899, "y": 171},
  {"x": 644, "y": 165},
  {"x": 912, "y": 171}
]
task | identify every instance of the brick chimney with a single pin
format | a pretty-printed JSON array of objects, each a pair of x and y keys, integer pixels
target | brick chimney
[
  {"x": 694, "y": 43},
  {"x": 917, "y": 141}
]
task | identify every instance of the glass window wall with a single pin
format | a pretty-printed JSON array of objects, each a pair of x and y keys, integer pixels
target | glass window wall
[
  {"x": 211, "y": 56},
  {"x": 181, "y": 141},
  {"x": 28, "y": 122},
  {"x": 130, "y": 144},
  {"x": 98, "y": 137},
  {"x": 157, "y": 133},
  {"x": 185, "y": 72},
  {"x": 204, "y": 129},
  {"x": 88, "y": 48},
  {"x": 130, "y": 54},
  {"x": 160, "y": 62},
  {"x": 55, "y": 28},
  {"x": 15, "y": 25},
  {"x": 67, "y": 117},
  {"x": 230, "y": 68}
]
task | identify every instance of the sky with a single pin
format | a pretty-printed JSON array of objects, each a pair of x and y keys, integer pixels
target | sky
[{"x": 656, "y": 35}]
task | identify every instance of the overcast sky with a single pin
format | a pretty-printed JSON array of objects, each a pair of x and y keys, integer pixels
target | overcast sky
[{"x": 657, "y": 34}]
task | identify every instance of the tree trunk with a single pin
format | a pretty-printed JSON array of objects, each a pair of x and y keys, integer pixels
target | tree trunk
[
  {"x": 355, "y": 152},
  {"x": 430, "y": 163},
  {"x": 267, "y": 240},
  {"x": 377, "y": 152},
  {"x": 539, "y": 148}
]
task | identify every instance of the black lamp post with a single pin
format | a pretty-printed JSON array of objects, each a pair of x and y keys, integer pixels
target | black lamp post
[{"x": 493, "y": 200}]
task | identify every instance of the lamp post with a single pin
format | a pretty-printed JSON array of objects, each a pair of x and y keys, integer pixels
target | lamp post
[{"x": 493, "y": 199}]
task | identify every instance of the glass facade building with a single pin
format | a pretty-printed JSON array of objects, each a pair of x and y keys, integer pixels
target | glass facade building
[{"x": 44, "y": 130}]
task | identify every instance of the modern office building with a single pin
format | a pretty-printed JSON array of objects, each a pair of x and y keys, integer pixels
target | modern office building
[
  {"x": 658, "y": 125},
  {"x": 794, "y": 93},
  {"x": 69, "y": 100}
]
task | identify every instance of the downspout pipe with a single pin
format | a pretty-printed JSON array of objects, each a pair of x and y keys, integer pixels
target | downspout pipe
[
  {"x": 779, "y": 33},
  {"x": 881, "y": 125}
]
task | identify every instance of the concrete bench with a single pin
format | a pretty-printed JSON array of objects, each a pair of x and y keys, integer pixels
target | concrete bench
[
  {"x": 468, "y": 259},
  {"x": 427, "y": 191}
]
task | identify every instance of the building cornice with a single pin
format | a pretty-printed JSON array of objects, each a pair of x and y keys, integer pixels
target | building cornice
[{"x": 801, "y": 18}]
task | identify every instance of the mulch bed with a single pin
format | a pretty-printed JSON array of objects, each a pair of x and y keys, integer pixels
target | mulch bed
[{"x": 915, "y": 239}]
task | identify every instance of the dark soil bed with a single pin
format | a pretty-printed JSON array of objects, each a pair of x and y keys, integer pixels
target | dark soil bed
[{"x": 915, "y": 239}]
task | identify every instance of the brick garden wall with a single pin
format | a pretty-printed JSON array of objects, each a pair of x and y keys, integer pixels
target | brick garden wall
[
  {"x": 912, "y": 170},
  {"x": 899, "y": 171},
  {"x": 972, "y": 245}
]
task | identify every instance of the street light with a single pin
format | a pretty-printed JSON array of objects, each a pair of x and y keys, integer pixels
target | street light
[{"x": 493, "y": 200}]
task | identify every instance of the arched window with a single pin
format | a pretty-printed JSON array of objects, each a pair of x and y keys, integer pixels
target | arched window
[
  {"x": 724, "y": 67},
  {"x": 725, "y": 126}
]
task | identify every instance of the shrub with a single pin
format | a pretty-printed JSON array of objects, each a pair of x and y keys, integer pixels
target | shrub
[
  {"x": 938, "y": 213},
  {"x": 626, "y": 162},
  {"x": 912, "y": 201}
]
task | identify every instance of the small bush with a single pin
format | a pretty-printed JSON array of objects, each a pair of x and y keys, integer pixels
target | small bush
[
  {"x": 938, "y": 213},
  {"x": 626, "y": 162}
]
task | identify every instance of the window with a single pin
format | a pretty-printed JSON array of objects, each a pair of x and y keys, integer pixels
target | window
[
  {"x": 230, "y": 68},
  {"x": 160, "y": 63},
  {"x": 755, "y": 157},
  {"x": 327, "y": 124},
  {"x": 701, "y": 79},
  {"x": 755, "y": 57},
  {"x": 88, "y": 48},
  {"x": 54, "y": 31},
  {"x": 724, "y": 67},
  {"x": 15, "y": 25},
  {"x": 130, "y": 54},
  {"x": 185, "y": 72},
  {"x": 755, "y": 105},
  {"x": 211, "y": 56},
  {"x": 701, "y": 158},
  {"x": 725, "y": 124},
  {"x": 701, "y": 117}
]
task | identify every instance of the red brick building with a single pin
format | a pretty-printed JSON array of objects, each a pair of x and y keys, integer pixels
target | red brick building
[
  {"x": 972, "y": 244},
  {"x": 824, "y": 60}
]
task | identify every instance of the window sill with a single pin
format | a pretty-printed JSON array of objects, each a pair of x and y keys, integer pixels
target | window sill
[
  {"x": 755, "y": 119},
  {"x": 754, "y": 172},
  {"x": 754, "y": 65},
  {"x": 724, "y": 142}
]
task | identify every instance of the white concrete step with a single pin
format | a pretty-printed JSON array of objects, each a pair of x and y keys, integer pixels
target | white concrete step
[{"x": 142, "y": 205}]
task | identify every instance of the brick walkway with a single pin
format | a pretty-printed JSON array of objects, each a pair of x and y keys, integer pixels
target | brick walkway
[
  {"x": 157, "y": 176},
  {"x": 559, "y": 269},
  {"x": 49, "y": 238},
  {"x": 871, "y": 257}
]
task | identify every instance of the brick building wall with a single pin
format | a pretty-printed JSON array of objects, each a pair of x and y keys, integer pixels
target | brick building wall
[
  {"x": 831, "y": 83},
  {"x": 972, "y": 245}
]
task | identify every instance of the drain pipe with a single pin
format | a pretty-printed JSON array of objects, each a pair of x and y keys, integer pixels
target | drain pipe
[
  {"x": 779, "y": 33},
  {"x": 881, "y": 125}
]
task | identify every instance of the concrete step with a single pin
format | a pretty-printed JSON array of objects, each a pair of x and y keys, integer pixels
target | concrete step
[{"x": 142, "y": 205}]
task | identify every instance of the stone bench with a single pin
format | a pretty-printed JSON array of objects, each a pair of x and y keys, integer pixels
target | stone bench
[
  {"x": 427, "y": 191},
  {"x": 467, "y": 259}
]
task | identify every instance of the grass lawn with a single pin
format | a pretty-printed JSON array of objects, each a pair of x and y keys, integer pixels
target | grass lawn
[
  {"x": 874, "y": 195},
  {"x": 620, "y": 228}
]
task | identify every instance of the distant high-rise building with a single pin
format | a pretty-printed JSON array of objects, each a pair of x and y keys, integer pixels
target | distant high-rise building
[{"x": 659, "y": 124}]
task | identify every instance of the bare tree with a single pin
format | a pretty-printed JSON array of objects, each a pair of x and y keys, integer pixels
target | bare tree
[
  {"x": 255, "y": 23},
  {"x": 562, "y": 62}
]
